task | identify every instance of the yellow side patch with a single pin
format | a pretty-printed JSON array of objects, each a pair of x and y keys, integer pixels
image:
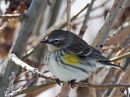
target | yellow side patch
[{"x": 71, "y": 59}]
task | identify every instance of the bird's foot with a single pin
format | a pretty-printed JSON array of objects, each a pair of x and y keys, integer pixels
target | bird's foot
[
  {"x": 72, "y": 83},
  {"x": 58, "y": 82}
]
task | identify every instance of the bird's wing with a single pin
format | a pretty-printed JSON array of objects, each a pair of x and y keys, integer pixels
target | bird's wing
[
  {"x": 90, "y": 52},
  {"x": 83, "y": 50},
  {"x": 95, "y": 54}
]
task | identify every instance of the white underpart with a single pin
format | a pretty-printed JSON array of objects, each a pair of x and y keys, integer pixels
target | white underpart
[{"x": 65, "y": 73}]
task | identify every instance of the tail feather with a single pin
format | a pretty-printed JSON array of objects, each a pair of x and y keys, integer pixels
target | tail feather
[{"x": 113, "y": 65}]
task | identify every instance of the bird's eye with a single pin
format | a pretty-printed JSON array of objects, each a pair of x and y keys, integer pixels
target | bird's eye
[{"x": 56, "y": 41}]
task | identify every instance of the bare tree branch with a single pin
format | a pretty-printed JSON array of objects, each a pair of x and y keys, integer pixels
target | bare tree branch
[
  {"x": 106, "y": 28},
  {"x": 24, "y": 65},
  {"x": 6, "y": 16},
  {"x": 120, "y": 57},
  {"x": 84, "y": 26},
  {"x": 21, "y": 42},
  {"x": 68, "y": 14}
]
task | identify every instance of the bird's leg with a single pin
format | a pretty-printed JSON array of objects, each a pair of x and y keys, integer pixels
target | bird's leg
[
  {"x": 58, "y": 81},
  {"x": 72, "y": 83}
]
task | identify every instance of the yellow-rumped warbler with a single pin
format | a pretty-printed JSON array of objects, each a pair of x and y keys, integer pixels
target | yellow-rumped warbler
[{"x": 70, "y": 58}]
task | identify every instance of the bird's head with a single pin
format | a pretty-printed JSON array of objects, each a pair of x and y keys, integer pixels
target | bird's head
[{"x": 58, "y": 39}]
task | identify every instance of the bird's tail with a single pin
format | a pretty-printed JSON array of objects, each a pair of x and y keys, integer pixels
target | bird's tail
[{"x": 113, "y": 65}]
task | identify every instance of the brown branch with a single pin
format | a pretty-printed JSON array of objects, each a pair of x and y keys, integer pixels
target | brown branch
[
  {"x": 74, "y": 17},
  {"x": 84, "y": 26},
  {"x": 121, "y": 57},
  {"x": 4, "y": 25},
  {"x": 99, "y": 6},
  {"x": 68, "y": 14},
  {"x": 20, "y": 42},
  {"x": 7, "y": 16}
]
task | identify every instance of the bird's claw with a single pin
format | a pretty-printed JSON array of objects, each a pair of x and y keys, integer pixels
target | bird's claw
[
  {"x": 58, "y": 82},
  {"x": 72, "y": 83}
]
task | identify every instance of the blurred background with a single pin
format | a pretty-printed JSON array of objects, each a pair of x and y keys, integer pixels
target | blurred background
[{"x": 55, "y": 11}]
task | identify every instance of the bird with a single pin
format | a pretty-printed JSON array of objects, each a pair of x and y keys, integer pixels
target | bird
[{"x": 70, "y": 58}]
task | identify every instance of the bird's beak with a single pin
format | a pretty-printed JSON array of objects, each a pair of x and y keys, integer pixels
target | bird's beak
[{"x": 45, "y": 41}]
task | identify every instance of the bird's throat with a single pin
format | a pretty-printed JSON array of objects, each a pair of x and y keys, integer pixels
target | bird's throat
[{"x": 52, "y": 48}]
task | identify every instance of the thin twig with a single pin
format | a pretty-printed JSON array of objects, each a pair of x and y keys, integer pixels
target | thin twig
[
  {"x": 5, "y": 25},
  {"x": 74, "y": 17},
  {"x": 28, "y": 53},
  {"x": 68, "y": 14},
  {"x": 84, "y": 26},
  {"x": 100, "y": 6},
  {"x": 120, "y": 57},
  {"x": 7, "y": 16}
]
